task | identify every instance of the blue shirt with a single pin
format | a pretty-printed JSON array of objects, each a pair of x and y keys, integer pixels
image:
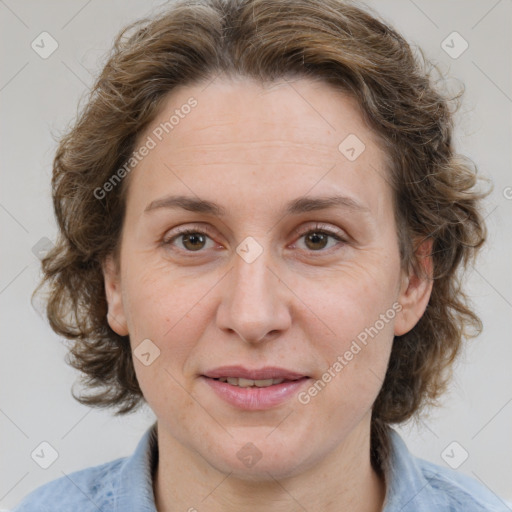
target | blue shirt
[{"x": 126, "y": 485}]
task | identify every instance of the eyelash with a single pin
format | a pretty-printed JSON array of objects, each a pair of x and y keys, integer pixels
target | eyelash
[{"x": 316, "y": 229}]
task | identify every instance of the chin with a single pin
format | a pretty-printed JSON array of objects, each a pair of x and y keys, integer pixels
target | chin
[
  {"x": 262, "y": 471},
  {"x": 263, "y": 461}
]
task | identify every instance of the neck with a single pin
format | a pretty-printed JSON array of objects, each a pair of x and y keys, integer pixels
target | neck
[{"x": 344, "y": 480}]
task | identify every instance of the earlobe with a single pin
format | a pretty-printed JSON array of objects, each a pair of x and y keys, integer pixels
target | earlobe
[
  {"x": 415, "y": 291},
  {"x": 116, "y": 317}
]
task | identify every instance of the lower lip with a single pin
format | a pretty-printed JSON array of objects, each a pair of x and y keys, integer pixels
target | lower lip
[{"x": 254, "y": 398}]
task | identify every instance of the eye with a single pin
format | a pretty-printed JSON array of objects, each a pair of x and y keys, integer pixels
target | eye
[
  {"x": 317, "y": 239},
  {"x": 192, "y": 240}
]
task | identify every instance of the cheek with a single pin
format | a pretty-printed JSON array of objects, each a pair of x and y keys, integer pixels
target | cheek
[
  {"x": 159, "y": 301},
  {"x": 170, "y": 310},
  {"x": 166, "y": 310},
  {"x": 353, "y": 332},
  {"x": 355, "y": 362},
  {"x": 351, "y": 300}
]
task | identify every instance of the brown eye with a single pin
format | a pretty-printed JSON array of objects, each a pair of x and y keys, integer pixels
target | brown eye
[
  {"x": 192, "y": 240},
  {"x": 316, "y": 240}
]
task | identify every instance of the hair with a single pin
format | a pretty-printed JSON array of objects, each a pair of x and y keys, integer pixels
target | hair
[{"x": 334, "y": 41}]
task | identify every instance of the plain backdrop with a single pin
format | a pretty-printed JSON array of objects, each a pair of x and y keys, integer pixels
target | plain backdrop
[{"x": 39, "y": 97}]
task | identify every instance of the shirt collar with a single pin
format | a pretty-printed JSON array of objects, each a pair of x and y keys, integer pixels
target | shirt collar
[
  {"x": 406, "y": 485},
  {"x": 135, "y": 491}
]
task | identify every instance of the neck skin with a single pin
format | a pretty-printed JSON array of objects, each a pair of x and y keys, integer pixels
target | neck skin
[{"x": 345, "y": 480}]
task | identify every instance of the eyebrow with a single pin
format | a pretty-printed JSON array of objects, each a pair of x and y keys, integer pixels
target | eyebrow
[{"x": 294, "y": 207}]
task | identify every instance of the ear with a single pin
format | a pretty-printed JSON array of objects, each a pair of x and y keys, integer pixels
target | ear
[
  {"x": 116, "y": 317},
  {"x": 415, "y": 291}
]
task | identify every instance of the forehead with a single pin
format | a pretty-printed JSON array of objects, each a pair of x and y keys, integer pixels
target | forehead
[
  {"x": 303, "y": 110},
  {"x": 289, "y": 135}
]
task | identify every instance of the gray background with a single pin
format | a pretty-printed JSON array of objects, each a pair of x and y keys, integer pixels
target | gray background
[{"x": 38, "y": 97}]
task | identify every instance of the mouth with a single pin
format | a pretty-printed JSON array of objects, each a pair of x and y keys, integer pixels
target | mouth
[
  {"x": 245, "y": 378},
  {"x": 267, "y": 372},
  {"x": 255, "y": 389},
  {"x": 248, "y": 383}
]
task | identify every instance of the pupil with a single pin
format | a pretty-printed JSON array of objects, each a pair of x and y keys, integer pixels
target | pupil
[
  {"x": 315, "y": 237},
  {"x": 193, "y": 238}
]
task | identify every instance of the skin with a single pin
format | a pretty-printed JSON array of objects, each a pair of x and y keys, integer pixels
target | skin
[{"x": 252, "y": 148}]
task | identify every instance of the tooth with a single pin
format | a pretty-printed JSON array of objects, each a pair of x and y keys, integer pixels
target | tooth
[
  {"x": 245, "y": 383},
  {"x": 263, "y": 383}
]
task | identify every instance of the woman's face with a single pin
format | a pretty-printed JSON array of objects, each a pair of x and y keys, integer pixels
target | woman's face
[{"x": 273, "y": 280}]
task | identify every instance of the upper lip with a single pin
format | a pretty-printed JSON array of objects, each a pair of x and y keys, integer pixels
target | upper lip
[{"x": 268, "y": 372}]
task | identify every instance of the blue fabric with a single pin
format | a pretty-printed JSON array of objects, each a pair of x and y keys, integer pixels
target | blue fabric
[{"x": 125, "y": 485}]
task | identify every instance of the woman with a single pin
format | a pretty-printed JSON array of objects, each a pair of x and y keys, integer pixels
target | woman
[{"x": 262, "y": 223}]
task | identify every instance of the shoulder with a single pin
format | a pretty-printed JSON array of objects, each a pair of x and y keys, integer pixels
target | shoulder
[
  {"x": 417, "y": 485},
  {"x": 89, "y": 489}
]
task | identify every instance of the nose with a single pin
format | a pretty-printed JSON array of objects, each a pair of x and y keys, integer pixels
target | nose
[{"x": 255, "y": 302}]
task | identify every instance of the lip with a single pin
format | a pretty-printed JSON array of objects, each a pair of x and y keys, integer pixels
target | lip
[
  {"x": 268, "y": 372},
  {"x": 254, "y": 398}
]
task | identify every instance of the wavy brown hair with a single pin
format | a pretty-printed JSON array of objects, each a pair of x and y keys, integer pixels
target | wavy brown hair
[{"x": 338, "y": 42}]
